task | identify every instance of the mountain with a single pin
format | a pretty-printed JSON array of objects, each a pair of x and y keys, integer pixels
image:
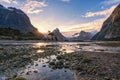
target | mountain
[
  {"x": 85, "y": 35},
  {"x": 111, "y": 27},
  {"x": 93, "y": 32},
  {"x": 82, "y": 36},
  {"x": 58, "y": 35},
  {"x": 16, "y": 19}
]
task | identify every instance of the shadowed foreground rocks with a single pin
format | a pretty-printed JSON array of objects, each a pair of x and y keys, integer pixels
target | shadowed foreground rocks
[{"x": 90, "y": 65}]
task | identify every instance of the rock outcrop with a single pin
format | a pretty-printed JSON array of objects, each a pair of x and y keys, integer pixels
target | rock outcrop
[{"x": 111, "y": 27}]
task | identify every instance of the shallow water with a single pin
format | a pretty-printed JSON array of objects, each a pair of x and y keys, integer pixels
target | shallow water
[{"x": 38, "y": 68}]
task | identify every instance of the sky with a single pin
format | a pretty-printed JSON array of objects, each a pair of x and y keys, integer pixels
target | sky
[{"x": 70, "y": 16}]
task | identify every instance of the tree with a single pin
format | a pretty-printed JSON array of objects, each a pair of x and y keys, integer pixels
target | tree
[{"x": 51, "y": 35}]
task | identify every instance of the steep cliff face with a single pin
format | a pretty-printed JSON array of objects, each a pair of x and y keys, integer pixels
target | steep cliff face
[
  {"x": 111, "y": 27},
  {"x": 16, "y": 19}
]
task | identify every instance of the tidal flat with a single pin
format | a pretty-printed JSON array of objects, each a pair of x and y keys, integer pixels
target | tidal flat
[{"x": 35, "y": 60}]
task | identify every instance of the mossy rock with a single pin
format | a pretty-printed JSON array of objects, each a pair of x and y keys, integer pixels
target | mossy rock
[{"x": 20, "y": 78}]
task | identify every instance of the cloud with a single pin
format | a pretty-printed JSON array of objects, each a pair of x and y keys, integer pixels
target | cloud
[
  {"x": 109, "y": 2},
  {"x": 90, "y": 26},
  {"x": 28, "y": 6},
  {"x": 35, "y": 6},
  {"x": 9, "y": 1},
  {"x": 6, "y": 1},
  {"x": 94, "y": 25},
  {"x": 65, "y": 0},
  {"x": 104, "y": 13},
  {"x": 15, "y": 2}
]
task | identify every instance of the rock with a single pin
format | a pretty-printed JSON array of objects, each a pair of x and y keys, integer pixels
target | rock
[
  {"x": 52, "y": 63},
  {"x": 36, "y": 64},
  {"x": 2, "y": 56},
  {"x": 28, "y": 73},
  {"x": 59, "y": 57},
  {"x": 1, "y": 48},
  {"x": 111, "y": 27},
  {"x": 35, "y": 71},
  {"x": 44, "y": 65}
]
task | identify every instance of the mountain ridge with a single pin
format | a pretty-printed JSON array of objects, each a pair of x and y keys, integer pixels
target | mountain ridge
[
  {"x": 15, "y": 19},
  {"x": 111, "y": 27}
]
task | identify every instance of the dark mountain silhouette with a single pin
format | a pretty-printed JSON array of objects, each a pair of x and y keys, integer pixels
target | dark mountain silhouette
[{"x": 16, "y": 19}]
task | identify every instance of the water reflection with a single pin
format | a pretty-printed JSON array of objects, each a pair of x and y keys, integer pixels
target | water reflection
[
  {"x": 39, "y": 44},
  {"x": 40, "y": 51}
]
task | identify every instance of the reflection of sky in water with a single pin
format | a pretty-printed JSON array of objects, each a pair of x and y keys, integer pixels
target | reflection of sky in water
[
  {"x": 45, "y": 73},
  {"x": 69, "y": 47}
]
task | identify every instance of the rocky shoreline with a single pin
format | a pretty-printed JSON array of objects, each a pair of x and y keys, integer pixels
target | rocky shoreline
[{"x": 87, "y": 65}]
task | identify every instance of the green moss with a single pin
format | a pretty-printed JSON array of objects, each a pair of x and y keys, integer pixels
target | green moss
[{"x": 20, "y": 78}]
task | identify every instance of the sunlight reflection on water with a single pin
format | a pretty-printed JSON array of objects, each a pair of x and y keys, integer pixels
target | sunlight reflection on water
[
  {"x": 40, "y": 51},
  {"x": 69, "y": 47}
]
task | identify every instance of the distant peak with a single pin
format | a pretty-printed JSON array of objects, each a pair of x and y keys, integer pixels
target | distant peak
[{"x": 56, "y": 30}]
